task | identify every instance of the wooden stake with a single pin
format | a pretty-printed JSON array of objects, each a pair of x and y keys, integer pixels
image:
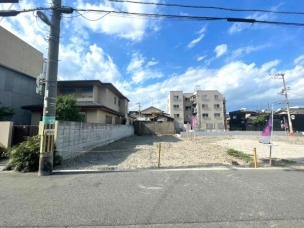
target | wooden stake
[
  {"x": 159, "y": 149},
  {"x": 255, "y": 158}
]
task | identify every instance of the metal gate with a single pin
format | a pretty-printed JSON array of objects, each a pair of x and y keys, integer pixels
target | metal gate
[{"x": 22, "y": 133}]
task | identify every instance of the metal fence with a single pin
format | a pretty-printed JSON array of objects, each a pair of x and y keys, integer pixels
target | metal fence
[
  {"x": 228, "y": 133},
  {"x": 23, "y": 132}
]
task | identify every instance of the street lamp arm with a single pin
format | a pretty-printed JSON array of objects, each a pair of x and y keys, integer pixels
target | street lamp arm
[{"x": 9, "y": 13}]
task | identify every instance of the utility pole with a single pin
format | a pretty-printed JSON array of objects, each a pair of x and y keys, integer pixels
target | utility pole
[
  {"x": 284, "y": 91},
  {"x": 224, "y": 112},
  {"x": 139, "y": 108},
  {"x": 49, "y": 109}
]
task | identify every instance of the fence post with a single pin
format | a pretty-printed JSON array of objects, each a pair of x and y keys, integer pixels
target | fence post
[
  {"x": 159, "y": 149},
  {"x": 255, "y": 158}
]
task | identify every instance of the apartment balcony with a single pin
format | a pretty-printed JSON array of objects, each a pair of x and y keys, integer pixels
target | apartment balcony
[
  {"x": 177, "y": 109},
  {"x": 194, "y": 110},
  {"x": 177, "y": 100},
  {"x": 205, "y": 99},
  {"x": 193, "y": 100}
]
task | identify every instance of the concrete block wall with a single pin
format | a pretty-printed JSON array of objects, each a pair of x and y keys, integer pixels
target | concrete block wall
[
  {"x": 6, "y": 132},
  {"x": 154, "y": 128},
  {"x": 74, "y": 138}
]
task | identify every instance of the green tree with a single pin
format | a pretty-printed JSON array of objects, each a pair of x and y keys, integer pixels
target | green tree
[
  {"x": 66, "y": 109},
  {"x": 6, "y": 113},
  {"x": 261, "y": 119}
]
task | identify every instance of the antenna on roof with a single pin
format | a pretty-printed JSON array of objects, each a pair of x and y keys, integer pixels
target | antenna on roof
[{"x": 197, "y": 88}]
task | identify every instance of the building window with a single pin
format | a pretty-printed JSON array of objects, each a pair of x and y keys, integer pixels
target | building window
[
  {"x": 176, "y": 115},
  {"x": 209, "y": 125},
  {"x": 216, "y": 97},
  {"x": 87, "y": 92},
  {"x": 108, "y": 119},
  {"x": 217, "y": 115},
  {"x": 220, "y": 126},
  {"x": 188, "y": 108},
  {"x": 175, "y": 98},
  {"x": 205, "y": 115},
  {"x": 234, "y": 117},
  {"x": 176, "y": 106},
  {"x": 114, "y": 100},
  {"x": 204, "y": 106},
  {"x": 82, "y": 116},
  {"x": 67, "y": 92},
  {"x": 118, "y": 102},
  {"x": 216, "y": 106},
  {"x": 187, "y": 99},
  {"x": 205, "y": 97}
]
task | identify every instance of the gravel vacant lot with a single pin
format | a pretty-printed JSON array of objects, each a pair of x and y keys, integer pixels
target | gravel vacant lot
[{"x": 139, "y": 152}]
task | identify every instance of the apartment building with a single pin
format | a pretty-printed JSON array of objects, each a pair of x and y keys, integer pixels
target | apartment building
[{"x": 205, "y": 106}]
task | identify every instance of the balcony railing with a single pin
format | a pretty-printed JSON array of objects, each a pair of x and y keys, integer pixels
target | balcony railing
[{"x": 177, "y": 100}]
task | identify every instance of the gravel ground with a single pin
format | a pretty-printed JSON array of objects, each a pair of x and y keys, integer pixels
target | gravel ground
[{"x": 138, "y": 152}]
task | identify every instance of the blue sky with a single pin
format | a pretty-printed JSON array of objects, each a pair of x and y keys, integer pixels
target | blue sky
[{"x": 146, "y": 58}]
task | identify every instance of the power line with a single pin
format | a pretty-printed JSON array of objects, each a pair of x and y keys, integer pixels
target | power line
[
  {"x": 208, "y": 7},
  {"x": 155, "y": 16},
  {"x": 92, "y": 19},
  {"x": 187, "y": 17},
  {"x": 297, "y": 94}
]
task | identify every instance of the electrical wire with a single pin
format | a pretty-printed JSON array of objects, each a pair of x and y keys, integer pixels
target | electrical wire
[
  {"x": 208, "y": 7},
  {"x": 92, "y": 19},
  {"x": 296, "y": 94},
  {"x": 39, "y": 25},
  {"x": 192, "y": 18},
  {"x": 169, "y": 16}
]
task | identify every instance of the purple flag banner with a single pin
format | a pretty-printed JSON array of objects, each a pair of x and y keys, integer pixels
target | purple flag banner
[
  {"x": 193, "y": 122},
  {"x": 266, "y": 133}
]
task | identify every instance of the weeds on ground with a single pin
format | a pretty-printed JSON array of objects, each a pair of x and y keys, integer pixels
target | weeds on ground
[{"x": 239, "y": 154}]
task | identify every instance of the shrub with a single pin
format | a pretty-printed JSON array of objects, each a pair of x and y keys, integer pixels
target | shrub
[
  {"x": 25, "y": 156},
  {"x": 3, "y": 152}
]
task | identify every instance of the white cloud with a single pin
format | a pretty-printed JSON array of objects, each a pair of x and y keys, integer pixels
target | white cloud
[
  {"x": 139, "y": 72},
  {"x": 246, "y": 50},
  {"x": 269, "y": 65},
  {"x": 200, "y": 58},
  {"x": 242, "y": 84},
  {"x": 299, "y": 60},
  {"x": 220, "y": 50},
  {"x": 151, "y": 63},
  {"x": 136, "y": 62},
  {"x": 197, "y": 40},
  {"x": 239, "y": 26},
  {"x": 131, "y": 28}
]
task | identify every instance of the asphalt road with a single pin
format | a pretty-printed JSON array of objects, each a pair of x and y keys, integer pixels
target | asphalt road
[{"x": 150, "y": 199}]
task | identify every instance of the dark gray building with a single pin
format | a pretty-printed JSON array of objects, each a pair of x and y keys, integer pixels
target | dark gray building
[{"x": 20, "y": 64}]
